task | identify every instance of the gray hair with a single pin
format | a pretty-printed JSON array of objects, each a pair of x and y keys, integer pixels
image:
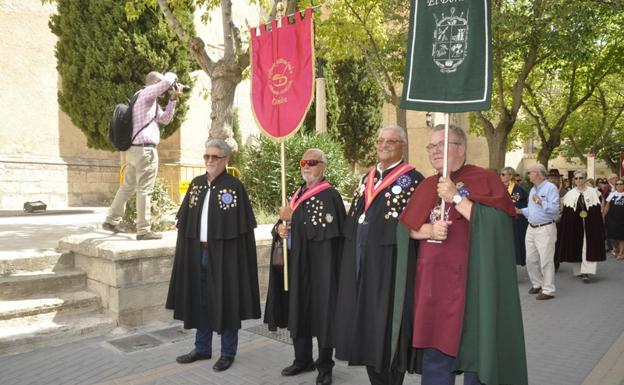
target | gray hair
[
  {"x": 539, "y": 168},
  {"x": 509, "y": 170},
  {"x": 396, "y": 128},
  {"x": 581, "y": 173},
  {"x": 153, "y": 78},
  {"x": 320, "y": 152},
  {"x": 459, "y": 133},
  {"x": 220, "y": 144}
]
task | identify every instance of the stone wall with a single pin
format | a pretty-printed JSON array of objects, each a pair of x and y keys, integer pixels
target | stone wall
[{"x": 132, "y": 278}]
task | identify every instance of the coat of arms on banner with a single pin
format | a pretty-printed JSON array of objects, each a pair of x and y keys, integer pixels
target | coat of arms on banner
[{"x": 450, "y": 41}]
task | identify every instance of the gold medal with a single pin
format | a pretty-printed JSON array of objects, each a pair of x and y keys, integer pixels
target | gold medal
[{"x": 583, "y": 214}]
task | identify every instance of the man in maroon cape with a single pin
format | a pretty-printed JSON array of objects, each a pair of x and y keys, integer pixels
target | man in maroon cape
[{"x": 466, "y": 306}]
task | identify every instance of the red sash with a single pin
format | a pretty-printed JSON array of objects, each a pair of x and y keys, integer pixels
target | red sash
[
  {"x": 371, "y": 191},
  {"x": 317, "y": 188}
]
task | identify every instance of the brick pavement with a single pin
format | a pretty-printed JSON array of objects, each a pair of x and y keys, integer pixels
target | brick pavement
[{"x": 566, "y": 338}]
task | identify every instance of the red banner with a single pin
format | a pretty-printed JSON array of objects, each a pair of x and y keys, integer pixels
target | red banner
[{"x": 282, "y": 74}]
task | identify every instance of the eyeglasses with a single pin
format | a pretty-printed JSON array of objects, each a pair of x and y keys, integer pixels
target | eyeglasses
[
  {"x": 619, "y": 184},
  {"x": 389, "y": 142},
  {"x": 437, "y": 146},
  {"x": 578, "y": 177},
  {"x": 210, "y": 157},
  {"x": 309, "y": 162}
]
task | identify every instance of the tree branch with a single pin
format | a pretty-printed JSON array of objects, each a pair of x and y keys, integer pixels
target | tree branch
[
  {"x": 377, "y": 52},
  {"x": 196, "y": 44}
]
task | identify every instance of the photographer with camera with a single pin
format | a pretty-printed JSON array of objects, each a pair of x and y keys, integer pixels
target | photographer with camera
[{"x": 142, "y": 156}]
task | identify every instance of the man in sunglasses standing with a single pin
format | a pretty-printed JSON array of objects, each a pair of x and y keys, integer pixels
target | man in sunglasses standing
[
  {"x": 368, "y": 266},
  {"x": 314, "y": 236},
  {"x": 214, "y": 280}
]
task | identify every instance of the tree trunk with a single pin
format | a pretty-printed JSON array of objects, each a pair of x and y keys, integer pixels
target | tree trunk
[
  {"x": 223, "y": 88},
  {"x": 497, "y": 144},
  {"x": 544, "y": 154},
  {"x": 401, "y": 119}
]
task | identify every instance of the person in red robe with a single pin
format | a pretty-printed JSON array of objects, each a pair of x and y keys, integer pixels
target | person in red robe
[
  {"x": 450, "y": 250},
  {"x": 581, "y": 236}
]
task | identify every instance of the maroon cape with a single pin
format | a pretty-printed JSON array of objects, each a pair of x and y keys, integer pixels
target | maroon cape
[
  {"x": 480, "y": 185},
  {"x": 571, "y": 229}
]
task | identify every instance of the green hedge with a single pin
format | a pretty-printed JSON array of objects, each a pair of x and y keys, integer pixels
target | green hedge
[{"x": 261, "y": 170}]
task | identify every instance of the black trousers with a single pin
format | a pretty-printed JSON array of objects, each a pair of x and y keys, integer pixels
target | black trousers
[
  {"x": 303, "y": 355},
  {"x": 387, "y": 377}
]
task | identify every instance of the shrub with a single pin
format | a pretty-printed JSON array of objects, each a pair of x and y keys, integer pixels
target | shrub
[
  {"x": 163, "y": 210},
  {"x": 261, "y": 171}
]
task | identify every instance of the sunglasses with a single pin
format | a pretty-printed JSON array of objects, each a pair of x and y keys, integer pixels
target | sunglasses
[
  {"x": 578, "y": 178},
  {"x": 210, "y": 157},
  {"x": 309, "y": 162},
  {"x": 619, "y": 184}
]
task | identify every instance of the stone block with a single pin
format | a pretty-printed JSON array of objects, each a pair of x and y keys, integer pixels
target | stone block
[
  {"x": 139, "y": 297},
  {"x": 156, "y": 270},
  {"x": 97, "y": 269}
]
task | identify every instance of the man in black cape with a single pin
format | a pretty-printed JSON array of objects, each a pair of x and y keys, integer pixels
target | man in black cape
[
  {"x": 315, "y": 216},
  {"x": 368, "y": 266},
  {"x": 214, "y": 282}
]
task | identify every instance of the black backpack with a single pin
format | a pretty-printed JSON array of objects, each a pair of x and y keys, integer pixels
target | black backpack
[{"x": 120, "y": 125}]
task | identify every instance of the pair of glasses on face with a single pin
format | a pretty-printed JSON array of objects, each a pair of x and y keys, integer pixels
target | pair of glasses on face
[
  {"x": 578, "y": 178},
  {"x": 309, "y": 162},
  {"x": 437, "y": 146},
  {"x": 389, "y": 142},
  {"x": 210, "y": 157},
  {"x": 619, "y": 184}
]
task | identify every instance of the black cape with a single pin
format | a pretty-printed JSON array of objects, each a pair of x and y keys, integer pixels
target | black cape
[
  {"x": 364, "y": 304},
  {"x": 520, "y": 197},
  {"x": 316, "y": 246},
  {"x": 232, "y": 269},
  {"x": 572, "y": 228}
]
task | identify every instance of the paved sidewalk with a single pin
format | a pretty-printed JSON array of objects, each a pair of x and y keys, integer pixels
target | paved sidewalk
[{"x": 576, "y": 338}]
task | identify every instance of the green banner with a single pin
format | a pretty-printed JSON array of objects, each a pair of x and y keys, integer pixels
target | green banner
[{"x": 449, "y": 56}]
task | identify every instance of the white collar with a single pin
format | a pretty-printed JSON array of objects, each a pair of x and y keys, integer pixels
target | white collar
[
  {"x": 590, "y": 195},
  {"x": 391, "y": 166}
]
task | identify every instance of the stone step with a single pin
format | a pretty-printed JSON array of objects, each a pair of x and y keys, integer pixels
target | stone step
[
  {"x": 50, "y": 329},
  {"x": 12, "y": 262},
  {"x": 79, "y": 301},
  {"x": 27, "y": 284}
]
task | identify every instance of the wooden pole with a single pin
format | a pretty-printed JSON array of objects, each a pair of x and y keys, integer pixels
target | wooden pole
[
  {"x": 285, "y": 241},
  {"x": 445, "y": 161}
]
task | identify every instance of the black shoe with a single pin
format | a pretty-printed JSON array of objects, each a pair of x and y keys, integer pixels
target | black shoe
[
  {"x": 295, "y": 369},
  {"x": 324, "y": 378},
  {"x": 110, "y": 227},
  {"x": 148, "y": 236},
  {"x": 192, "y": 357},
  {"x": 223, "y": 363}
]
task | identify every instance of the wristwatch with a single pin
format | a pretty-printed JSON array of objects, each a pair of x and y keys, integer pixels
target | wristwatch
[{"x": 457, "y": 199}]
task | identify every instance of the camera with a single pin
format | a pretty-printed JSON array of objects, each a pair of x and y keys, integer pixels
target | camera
[{"x": 183, "y": 87}]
